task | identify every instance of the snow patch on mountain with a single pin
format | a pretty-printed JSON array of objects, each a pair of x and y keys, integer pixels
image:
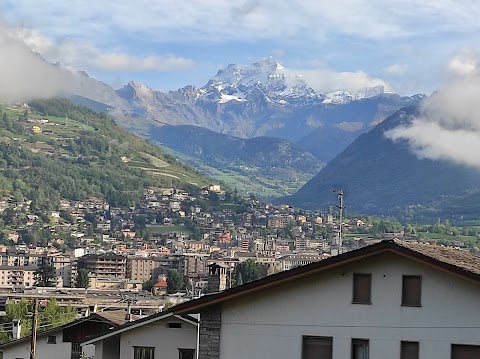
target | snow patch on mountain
[{"x": 277, "y": 84}]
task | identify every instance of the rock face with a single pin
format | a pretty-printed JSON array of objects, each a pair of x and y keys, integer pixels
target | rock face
[{"x": 383, "y": 177}]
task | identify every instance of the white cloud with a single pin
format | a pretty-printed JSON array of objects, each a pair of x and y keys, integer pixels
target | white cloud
[
  {"x": 325, "y": 80},
  {"x": 80, "y": 55},
  {"x": 223, "y": 20},
  {"x": 449, "y": 125},
  {"x": 397, "y": 69},
  {"x": 23, "y": 74},
  {"x": 464, "y": 63}
]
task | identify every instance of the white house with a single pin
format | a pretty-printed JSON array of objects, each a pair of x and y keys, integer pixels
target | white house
[
  {"x": 157, "y": 336},
  {"x": 62, "y": 342},
  {"x": 393, "y": 299}
]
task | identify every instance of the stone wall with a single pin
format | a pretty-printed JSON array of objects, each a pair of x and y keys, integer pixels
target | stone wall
[{"x": 210, "y": 322}]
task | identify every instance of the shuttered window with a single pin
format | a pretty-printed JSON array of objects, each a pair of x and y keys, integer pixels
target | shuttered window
[
  {"x": 409, "y": 350},
  {"x": 362, "y": 284},
  {"x": 360, "y": 348},
  {"x": 412, "y": 291},
  {"x": 465, "y": 351},
  {"x": 143, "y": 353},
  {"x": 316, "y": 347}
]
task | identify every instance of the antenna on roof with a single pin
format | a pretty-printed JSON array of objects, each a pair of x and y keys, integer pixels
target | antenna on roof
[{"x": 340, "y": 207}]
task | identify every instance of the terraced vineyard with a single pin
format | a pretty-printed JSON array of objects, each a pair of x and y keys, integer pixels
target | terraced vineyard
[{"x": 68, "y": 151}]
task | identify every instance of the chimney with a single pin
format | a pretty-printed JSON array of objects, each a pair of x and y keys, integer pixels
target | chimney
[
  {"x": 217, "y": 278},
  {"x": 16, "y": 329}
]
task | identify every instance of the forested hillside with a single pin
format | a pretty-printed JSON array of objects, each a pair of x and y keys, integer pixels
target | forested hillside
[
  {"x": 53, "y": 149},
  {"x": 264, "y": 166}
]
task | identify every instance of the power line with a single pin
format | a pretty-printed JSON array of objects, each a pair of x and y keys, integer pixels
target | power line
[{"x": 33, "y": 342}]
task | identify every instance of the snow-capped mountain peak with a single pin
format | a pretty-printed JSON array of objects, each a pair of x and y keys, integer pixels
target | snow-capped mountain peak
[
  {"x": 267, "y": 77},
  {"x": 368, "y": 92},
  {"x": 263, "y": 71}
]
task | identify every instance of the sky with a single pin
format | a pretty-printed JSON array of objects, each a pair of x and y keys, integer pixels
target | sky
[{"x": 410, "y": 46}]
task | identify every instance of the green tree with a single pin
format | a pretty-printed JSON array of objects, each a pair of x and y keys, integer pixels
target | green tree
[
  {"x": 4, "y": 336},
  {"x": 175, "y": 281},
  {"x": 54, "y": 315},
  {"x": 248, "y": 271},
  {"x": 148, "y": 285},
  {"x": 83, "y": 280},
  {"x": 46, "y": 276},
  {"x": 50, "y": 315}
]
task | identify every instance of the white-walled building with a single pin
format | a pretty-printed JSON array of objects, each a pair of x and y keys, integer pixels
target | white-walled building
[
  {"x": 393, "y": 299},
  {"x": 61, "y": 342},
  {"x": 17, "y": 276},
  {"x": 157, "y": 336}
]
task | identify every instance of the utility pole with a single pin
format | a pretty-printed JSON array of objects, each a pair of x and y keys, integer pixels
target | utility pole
[
  {"x": 340, "y": 207},
  {"x": 129, "y": 300},
  {"x": 33, "y": 342}
]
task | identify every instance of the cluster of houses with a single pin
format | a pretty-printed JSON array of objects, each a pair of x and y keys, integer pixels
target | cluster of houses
[
  {"x": 321, "y": 296},
  {"x": 122, "y": 248},
  {"x": 391, "y": 299}
]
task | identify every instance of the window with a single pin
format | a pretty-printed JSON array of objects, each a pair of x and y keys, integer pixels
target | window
[
  {"x": 316, "y": 347},
  {"x": 412, "y": 291},
  {"x": 409, "y": 350},
  {"x": 186, "y": 353},
  {"x": 51, "y": 339},
  {"x": 76, "y": 351},
  {"x": 359, "y": 348},
  {"x": 174, "y": 325},
  {"x": 465, "y": 351},
  {"x": 143, "y": 352},
  {"x": 362, "y": 284}
]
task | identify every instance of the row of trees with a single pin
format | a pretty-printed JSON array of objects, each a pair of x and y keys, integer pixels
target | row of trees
[{"x": 50, "y": 315}]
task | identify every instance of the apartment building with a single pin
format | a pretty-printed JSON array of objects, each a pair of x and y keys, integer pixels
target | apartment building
[
  {"x": 17, "y": 276},
  {"x": 106, "y": 265},
  {"x": 63, "y": 269},
  {"x": 141, "y": 268}
]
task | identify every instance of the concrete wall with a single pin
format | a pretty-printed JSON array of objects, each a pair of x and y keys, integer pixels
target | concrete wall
[
  {"x": 44, "y": 350},
  {"x": 271, "y": 324},
  {"x": 59, "y": 350},
  {"x": 166, "y": 340}
]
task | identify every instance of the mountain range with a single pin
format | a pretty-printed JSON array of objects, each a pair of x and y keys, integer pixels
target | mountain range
[
  {"x": 379, "y": 176},
  {"x": 263, "y": 100},
  {"x": 262, "y": 126}
]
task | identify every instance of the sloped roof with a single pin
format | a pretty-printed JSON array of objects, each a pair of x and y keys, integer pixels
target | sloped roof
[
  {"x": 116, "y": 316},
  {"x": 161, "y": 284},
  {"x": 455, "y": 257},
  {"x": 91, "y": 317},
  {"x": 456, "y": 261},
  {"x": 138, "y": 323}
]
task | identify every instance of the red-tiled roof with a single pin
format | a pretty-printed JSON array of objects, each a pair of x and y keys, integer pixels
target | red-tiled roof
[{"x": 161, "y": 284}]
